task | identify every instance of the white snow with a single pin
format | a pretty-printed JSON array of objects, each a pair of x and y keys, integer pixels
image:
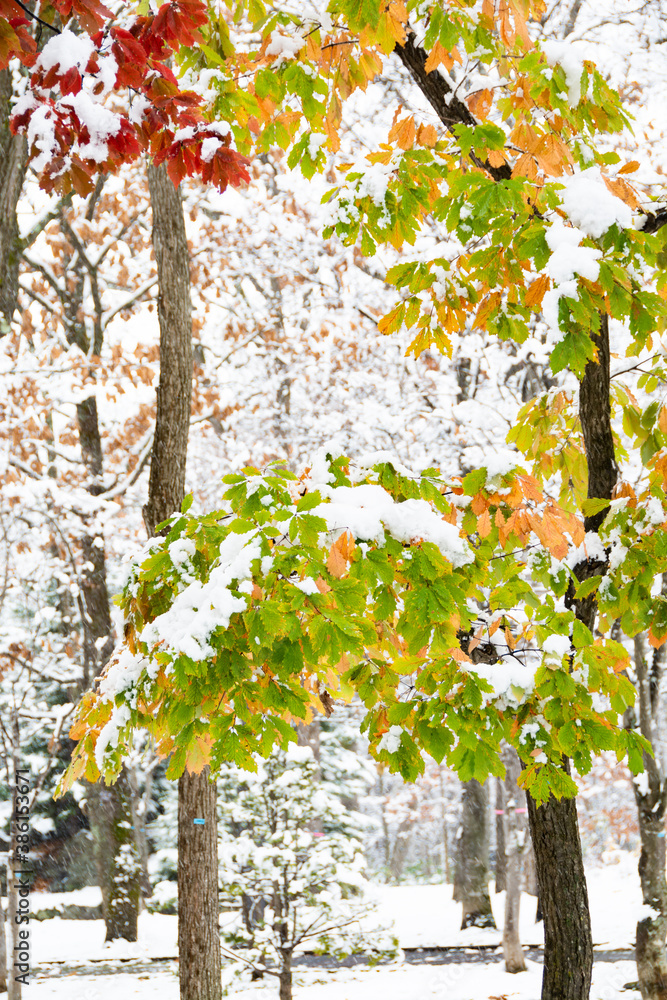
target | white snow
[
  {"x": 66, "y": 51},
  {"x": 563, "y": 54},
  {"x": 591, "y": 206},
  {"x": 366, "y": 511},
  {"x": 422, "y": 915},
  {"x": 203, "y": 607},
  {"x": 557, "y": 645}
]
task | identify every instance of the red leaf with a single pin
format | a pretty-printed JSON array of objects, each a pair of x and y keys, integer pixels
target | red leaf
[
  {"x": 177, "y": 22},
  {"x": 90, "y": 14}
]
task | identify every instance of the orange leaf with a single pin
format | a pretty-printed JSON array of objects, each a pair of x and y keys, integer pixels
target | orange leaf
[
  {"x": 654, "y": 640},
  {"x": 427, "y": 136},
  {"x": 536, "y": 291},
  {"x": 622, "y": 190},
  {"x": 340, "y": 554},
  {"x": 480, "y": 103},
  {"x": 496, "y": 158},
  {"x": 629, "y": 168},
  {"x": 484, "y": 524},
  {"x": 404, "y": 133},
  {"x": 525, "y": 166}
]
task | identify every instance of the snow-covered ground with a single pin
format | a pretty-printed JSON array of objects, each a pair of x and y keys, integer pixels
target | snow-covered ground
[{"x": 423, "y": 916}]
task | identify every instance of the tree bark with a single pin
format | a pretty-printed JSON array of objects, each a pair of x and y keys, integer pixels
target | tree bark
[
  {"x": 568, "y": 945},
  {"x": 198, "y": 934},
  {"x": 515, "y": 835},
  {"x": 472, "y": 862},
  {"x": 13, "y": 164}
]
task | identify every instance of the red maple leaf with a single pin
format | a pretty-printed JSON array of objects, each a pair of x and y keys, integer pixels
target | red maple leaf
[
  {"x": 178, "y": 22},
  {"x": 91, "y": 14}
]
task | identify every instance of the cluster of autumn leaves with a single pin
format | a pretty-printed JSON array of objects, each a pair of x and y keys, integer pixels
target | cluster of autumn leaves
[{"x": 384, "y": 619}]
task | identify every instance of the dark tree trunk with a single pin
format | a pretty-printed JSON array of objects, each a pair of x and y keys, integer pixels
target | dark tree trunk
[
  {"x": 515, "y": 826},
  {"x": 118, "y": 864},
  {"x": 501, "y": 858},
  {"x": 198, "y": 935},
  {"x": 472, "y": 861},
  {"x": 568, "y": 946},
  {"x": 13, "y": 163}
]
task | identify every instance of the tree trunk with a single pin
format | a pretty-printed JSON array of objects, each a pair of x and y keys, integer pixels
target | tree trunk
[
  {"x": 568, "y": 945},
  {"x": 174, "y": 392},
  {"x": 501, "y": 857},
  {"x": 515, "y": 833},
  {"x": 17, "y": 871},
  {"x": 285, "y": 979},
  {"x": 13, "y": 163},
  {"x": 651, "y": 797},
  {"x": 119, "y": 867},
  {"x": 472, "y": 862},
  {"x": 198, "y": 935},
  {"x": 3, "y": 948}
]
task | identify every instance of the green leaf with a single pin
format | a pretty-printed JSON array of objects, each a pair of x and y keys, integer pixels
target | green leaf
[
  {"x": 473, "y": 482},
  {"x": 593, "y": 506},
  {"x": 587, "y": 587}
]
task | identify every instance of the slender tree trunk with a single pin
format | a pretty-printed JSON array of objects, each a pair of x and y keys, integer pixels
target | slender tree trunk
[
  {"x": 13, "y": 163},
  {"x": 568, "y": 946},
  {"x": 472, "y": 862},
  {"x": 174, "y": 392},
  {"x": 3, "y": 948},
  {"x": 501, "y": 856},
  {"x": 198, "y": 934},
  {"x": 651, "y": 797},
  {"x": 515, "y": 834},
  {"x": 285, "y": 979},
  {"x": 14, "y": 867}
]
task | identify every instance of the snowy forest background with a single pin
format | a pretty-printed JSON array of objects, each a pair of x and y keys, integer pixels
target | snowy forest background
[{"x": 288, "y": 360}]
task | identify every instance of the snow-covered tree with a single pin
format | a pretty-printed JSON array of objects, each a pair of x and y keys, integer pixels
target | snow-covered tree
[{"x": 291, "y": 870}]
